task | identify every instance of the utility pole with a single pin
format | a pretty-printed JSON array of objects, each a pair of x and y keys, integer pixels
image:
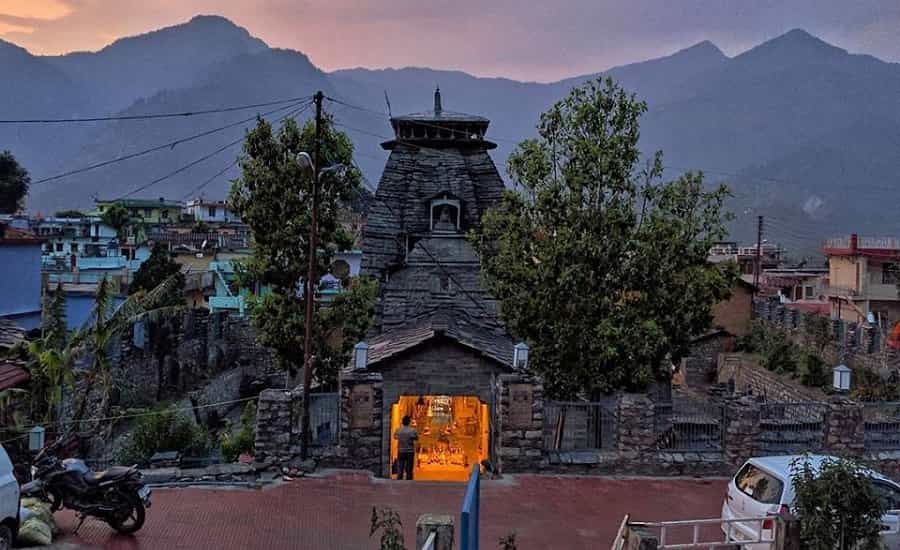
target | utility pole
[
  {"x": 310, "y": 278},
  {"x": 757, "y": 269}
]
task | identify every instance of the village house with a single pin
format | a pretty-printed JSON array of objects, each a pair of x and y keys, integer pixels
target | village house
[
  {"x": 152, "y": 211},
  {"x": 20, "y": 285},
  {"x": 862, "y": 278},
  {"x": 208, "y": 211}
]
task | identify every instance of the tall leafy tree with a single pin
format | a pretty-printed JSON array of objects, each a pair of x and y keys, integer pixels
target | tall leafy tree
[
  {"x": 14, "y": 182},
  {"x": 154, "y": 270},
  {"x": 117, "y": 217},
  {"x": 274, "y": 197},
  {"x": 598, "y": 264}
]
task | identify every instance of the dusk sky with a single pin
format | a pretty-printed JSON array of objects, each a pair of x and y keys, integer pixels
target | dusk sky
[{"x": 519, "y": 39}]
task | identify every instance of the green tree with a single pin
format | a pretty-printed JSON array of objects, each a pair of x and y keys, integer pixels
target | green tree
[
  {"x": 53, "y": 319},
  {"x": 70, "y": 214},
  {"x": 14, "y": 182},
  {"x": 117, "y": 217},
  {"x": 837, "y": 505},
  {"x": 599, "y": 266},
  {"x": 108, "y": 320},
  {"x": 273, "y": 196},
  {"x": 154, "y": 270}
]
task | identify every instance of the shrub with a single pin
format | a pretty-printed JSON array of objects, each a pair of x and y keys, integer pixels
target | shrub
[
  {"x": 837, "y": 506},
  {"x": 388, "y": 522},
  {"x": 508, "y": 542},
  {"x": 234, "y": 446},
  {"x": 163, "y": 430},
  {"x": 815, "y": 371}
]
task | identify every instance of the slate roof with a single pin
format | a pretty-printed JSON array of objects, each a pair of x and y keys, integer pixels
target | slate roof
[
  {"x": 494, "y": 345},
  {"x": 10, "y": 333},
  {"x": 11, "y": 374}
]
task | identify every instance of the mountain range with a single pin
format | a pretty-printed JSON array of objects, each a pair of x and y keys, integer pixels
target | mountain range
[{"x": 803, "y": 132}]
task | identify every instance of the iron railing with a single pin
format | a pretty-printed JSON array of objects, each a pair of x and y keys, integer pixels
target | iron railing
[
  {"x": 792, "y": 427},
  {"x": 728, "y": 533},
  {"x": 882, "y": 425},
  {"x": 579, "y": 426},
  {"x": 688, "y": 425}
]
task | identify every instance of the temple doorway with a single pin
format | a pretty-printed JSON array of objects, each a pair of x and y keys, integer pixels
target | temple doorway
[{"x": 453, "y": 434}]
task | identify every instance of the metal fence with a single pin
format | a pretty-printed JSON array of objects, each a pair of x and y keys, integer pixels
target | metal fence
[
  {"x": 792, "y": 427},
  {"x": 579, "y": 426},
  {"x": 882, "y": 425},
  {"x": 688, "y": 425},
  {"x": 324, "y": 418}
]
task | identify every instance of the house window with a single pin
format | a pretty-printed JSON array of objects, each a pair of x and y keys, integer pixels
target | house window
[
  {"x": 73, "y": 247},
  {"x": 890, "y": 274},
  {"x": 808, "y": 292},
  {"x": 440, "y": 284},
  {"x": 212, "y": 211},
  {"x": 165, "y": 214},
  {"x": 59, "y": 247},
  {"x": 148, "y": 212}
]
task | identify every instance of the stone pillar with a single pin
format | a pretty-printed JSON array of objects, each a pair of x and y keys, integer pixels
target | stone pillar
[
  {"x": 635, "y": 425},
  {"x": 521, "y": 423},
  {"x": 274, "y": 425},
  {"x": 362, "y": 397},
  {"x": 442, "y": 525},
  {"x": 845, "y": 430},
  {"x": 742, "y": 431}
]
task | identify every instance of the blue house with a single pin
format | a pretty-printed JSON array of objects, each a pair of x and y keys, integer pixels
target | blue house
[{"x": 20, "y": 285}]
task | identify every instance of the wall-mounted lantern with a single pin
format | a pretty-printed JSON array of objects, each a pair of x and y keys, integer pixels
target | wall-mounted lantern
[
  {"x": 842, "y": 378},
  {"x": 520, "y": 356},
  {"x": 36, "y": 439},
  {"x": 360, "y": 355}
]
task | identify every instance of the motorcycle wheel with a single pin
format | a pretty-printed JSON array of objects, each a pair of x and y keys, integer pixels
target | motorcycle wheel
[
  {"x": 129, "y": 518},
  {"x": 6, "y": 538}
]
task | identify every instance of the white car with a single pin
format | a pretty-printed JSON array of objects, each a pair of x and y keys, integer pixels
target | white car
[
  {"x": 763, "y": 487},
  {"x": 9, "y": 502}
]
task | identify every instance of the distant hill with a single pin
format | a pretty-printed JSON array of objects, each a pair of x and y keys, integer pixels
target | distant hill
[{"x": 802, "y": 130}]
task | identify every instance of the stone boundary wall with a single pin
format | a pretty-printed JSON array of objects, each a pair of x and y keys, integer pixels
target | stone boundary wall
[
  {"x": 748, "y": 376},
  {"x": 518, "y": 433}
]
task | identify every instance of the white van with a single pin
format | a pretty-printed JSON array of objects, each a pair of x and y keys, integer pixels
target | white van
[
  {"x": 9, "y": 502},
  {"x": 763, "y": 487}
]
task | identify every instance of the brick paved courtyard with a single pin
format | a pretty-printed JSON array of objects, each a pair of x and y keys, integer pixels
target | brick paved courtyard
[{"x": 332, "y": 512}]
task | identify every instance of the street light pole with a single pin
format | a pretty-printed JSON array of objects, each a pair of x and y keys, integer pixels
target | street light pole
[{"x": 310, "y": 278}]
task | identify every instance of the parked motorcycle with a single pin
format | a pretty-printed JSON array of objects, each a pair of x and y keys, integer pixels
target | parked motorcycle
[{"x": 117, "y": 496}]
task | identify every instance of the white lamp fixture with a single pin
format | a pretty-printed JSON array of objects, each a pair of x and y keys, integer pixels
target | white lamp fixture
[
  {"x": 520, "y": 356},
  {"x": 36, "y": 439},
  {"x": 360, "y": 355},
  {"x": 842, "y": 378}
]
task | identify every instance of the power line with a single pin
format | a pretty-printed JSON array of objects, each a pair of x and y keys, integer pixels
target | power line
[
  {"x": 201, "y": 159},
  {"x": 170, "y": 145},
  {"x": 153, "y": 116}
]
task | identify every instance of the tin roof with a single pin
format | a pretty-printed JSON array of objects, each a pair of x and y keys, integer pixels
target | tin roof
[
  {"x": 10, "y": 333},
  {"x": 11, "y": 374}
]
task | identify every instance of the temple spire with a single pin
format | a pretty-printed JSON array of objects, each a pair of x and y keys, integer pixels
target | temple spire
[{"x": 437, "y": 101}]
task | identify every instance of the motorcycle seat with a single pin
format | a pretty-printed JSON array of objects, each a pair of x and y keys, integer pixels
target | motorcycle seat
[{"x": 112, "y": 474}]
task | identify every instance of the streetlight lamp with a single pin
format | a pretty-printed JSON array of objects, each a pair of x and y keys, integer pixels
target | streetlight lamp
[
  {"x": 520, "y": 356},
  {"x": 841, "y": 380}
]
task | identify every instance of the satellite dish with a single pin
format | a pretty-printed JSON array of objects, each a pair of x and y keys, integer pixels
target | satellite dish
[{"x": 340, "y": 269}]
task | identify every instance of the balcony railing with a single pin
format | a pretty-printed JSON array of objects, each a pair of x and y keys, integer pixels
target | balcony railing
[{"x": 109, "y": 262}]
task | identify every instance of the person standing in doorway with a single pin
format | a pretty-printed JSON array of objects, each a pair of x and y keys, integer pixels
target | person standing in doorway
[{"x": 406, "y": 448}]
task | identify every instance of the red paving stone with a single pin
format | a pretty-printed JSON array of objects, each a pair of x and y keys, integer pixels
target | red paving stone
[{"x": 546, "y": 512}]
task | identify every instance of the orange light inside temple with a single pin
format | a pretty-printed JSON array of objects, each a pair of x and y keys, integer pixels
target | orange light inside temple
[{"x": 453, "y": 434}]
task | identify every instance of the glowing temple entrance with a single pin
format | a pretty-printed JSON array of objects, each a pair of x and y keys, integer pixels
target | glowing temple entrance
[{"x": 453, "y": 434}]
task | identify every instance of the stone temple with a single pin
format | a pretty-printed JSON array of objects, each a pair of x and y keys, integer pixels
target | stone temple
[{"x": 437, "y": 348}]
